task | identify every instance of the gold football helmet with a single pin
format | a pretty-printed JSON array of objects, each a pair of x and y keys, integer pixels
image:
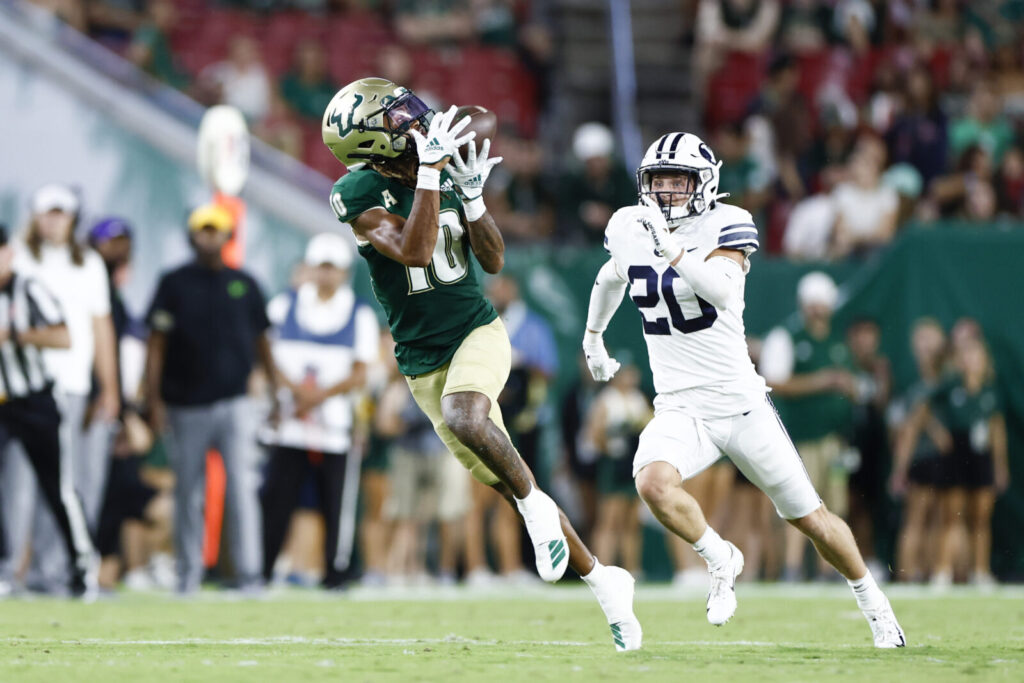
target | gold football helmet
[{"x": 367, "y": 119}]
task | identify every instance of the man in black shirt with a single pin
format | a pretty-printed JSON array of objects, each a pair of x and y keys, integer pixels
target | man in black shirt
[
  {"x": 208, "y": 327},
  {"x": 30, "y": 320}
]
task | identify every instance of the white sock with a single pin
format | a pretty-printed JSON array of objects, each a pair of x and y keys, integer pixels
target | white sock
[
  {"x": 524, "y": 503},
  {"x": 867, "y": 592},
  {"x": 713, "y": 549},
  {"x": 597, "y": 579},
  {"x": 591, "y": 578}
]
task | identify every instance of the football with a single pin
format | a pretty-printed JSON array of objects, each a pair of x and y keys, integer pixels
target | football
[{"x": 482, "y": 121}]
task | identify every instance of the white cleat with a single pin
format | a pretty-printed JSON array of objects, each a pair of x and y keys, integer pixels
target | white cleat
[
  {"x": 627, "y": 635},
  {"x": 544, "y": 525},
  {"x": 614, "y": 590},
  {"x": 884, "y": 627},
  {"x": 722, "y": 593}
]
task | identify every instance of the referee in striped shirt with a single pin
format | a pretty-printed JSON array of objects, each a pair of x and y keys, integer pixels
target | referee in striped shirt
[{"x": 30, "y": 320}]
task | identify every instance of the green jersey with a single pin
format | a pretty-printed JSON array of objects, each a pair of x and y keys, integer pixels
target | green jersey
[
  {"x": 816, "y": 416},
  {"x": 962, "y": 412},
  {"x": 430, "y": 310}
]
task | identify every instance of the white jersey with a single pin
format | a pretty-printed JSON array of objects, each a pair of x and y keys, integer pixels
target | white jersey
[
  {"x": 698, "y": 354},
  {"x": 316, "y": 343}
]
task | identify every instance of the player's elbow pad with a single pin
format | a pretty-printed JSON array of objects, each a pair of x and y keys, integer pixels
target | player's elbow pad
[
  {"x": 605, "y": 297},
  {"x": 716, "y": 280}
]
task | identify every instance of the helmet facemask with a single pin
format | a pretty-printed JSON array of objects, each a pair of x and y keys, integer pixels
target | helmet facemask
[
  {"x": 680, "y": 154},
  {"x": 401, "y": 113},
  {"x": 398, "y": 116},
  {"x": 676, "y": 203}
]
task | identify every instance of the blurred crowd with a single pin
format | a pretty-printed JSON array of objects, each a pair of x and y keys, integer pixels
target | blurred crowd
[
  {"x": 281, "y": 61},
  {"x": 842, "y": 120},
  {"x": 838, "y": 121},
  {"x": 224, "y": 436}
]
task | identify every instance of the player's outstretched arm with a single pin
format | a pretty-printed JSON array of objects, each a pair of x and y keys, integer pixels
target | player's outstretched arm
[
  {"x": 470, "y": 175},
  {"x": 487, "y": 243},
  {"x": 605, "y": 297}
]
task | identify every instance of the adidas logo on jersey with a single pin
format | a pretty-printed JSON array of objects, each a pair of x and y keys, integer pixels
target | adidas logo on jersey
[{"x": 448, "y": 185}]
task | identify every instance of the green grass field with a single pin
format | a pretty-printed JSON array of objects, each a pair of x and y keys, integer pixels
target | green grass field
[{"x": 789, "y": 633}]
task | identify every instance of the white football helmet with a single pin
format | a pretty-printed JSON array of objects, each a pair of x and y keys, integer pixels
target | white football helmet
[{"x": 681, "y": 153}]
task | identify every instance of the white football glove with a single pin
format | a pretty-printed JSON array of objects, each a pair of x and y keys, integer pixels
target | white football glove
[
  {"x": 654, "y": 220},
  {"x": 471, "y": 174},
  {"x": 602, "y": 366},
  {"x": 440, "y": 142}
]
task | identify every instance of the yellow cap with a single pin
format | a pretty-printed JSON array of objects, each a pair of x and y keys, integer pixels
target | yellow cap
[{"x": 212, "y": 215}]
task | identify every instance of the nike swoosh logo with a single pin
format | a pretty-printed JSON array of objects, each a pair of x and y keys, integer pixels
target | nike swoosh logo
[{"x": 694, "y": 249}]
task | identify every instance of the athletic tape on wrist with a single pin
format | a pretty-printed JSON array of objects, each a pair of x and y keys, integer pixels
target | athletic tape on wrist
[
  {"x": 428, "y": 179},
  {"x": 475, "y": 209}
]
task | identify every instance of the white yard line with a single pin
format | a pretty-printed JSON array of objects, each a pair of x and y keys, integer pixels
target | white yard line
[
  {"x": 664, "y": 593},
  {"x": 357, "y": 642}
]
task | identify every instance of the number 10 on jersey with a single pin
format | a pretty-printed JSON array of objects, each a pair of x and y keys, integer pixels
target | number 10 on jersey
[{"x": 448, "y": 264}]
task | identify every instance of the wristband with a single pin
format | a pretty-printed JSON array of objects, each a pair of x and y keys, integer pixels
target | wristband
[
  {"x": 592, "y": 340},
  {"x": 428, "y": 179},
  {"x": 474, "y": 209}
]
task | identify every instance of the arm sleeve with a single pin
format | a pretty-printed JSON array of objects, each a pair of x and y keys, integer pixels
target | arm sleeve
[
  {"x": 717, "y": 280},
  {"x": 777, "y": 356},
  {"x": 605, "y": 297}
]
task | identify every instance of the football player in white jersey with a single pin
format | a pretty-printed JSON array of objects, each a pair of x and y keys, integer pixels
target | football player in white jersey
[{"x": 683, "y": 256}]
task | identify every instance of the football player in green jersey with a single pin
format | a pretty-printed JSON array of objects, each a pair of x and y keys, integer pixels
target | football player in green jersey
[{"x": 417, "y": 211}]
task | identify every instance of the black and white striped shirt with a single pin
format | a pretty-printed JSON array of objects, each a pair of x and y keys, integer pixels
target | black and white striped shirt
[{"x": 24, "y": 304}]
